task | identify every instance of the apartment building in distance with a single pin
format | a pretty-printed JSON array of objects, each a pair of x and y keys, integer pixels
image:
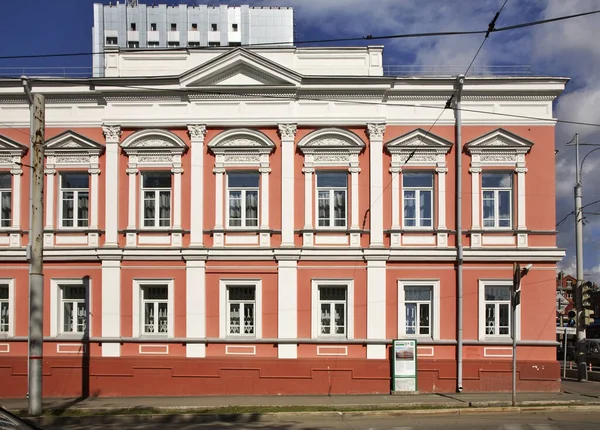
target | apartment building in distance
[{"x": 267, "y": 221}]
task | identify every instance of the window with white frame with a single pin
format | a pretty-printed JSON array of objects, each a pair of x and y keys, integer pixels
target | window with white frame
[
  {"x": 74, "y": 309},
  {"x": 156, "y": 199},
  {"x": 155, "y": 309},
  {"x": 332, "y": 188},
  {"x": 242, "y": 201},
  {"x": 496, "y": 189},
  {"x": 419, "y": 308},
  {"x": 75, "y": 198},
  {"x": 5, "y": 308},
  {"x": 333, "y": 309},
  {"x": 497, "y": 310},
  {"x": 241, "y": 310},
  {"x": 5, "y": 199},
  {"x": 417, "y": 199}
]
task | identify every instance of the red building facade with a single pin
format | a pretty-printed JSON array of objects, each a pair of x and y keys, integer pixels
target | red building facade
[{"x": 260, "y": 225}]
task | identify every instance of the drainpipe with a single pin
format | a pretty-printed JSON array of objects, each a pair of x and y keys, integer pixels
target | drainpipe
[{"x": 459, "y": 246}]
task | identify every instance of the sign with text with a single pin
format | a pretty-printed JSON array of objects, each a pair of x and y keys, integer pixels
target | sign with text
[{"x": 404, "y": 365}]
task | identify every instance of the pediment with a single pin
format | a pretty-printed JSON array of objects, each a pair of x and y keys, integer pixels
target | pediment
[
  {"x": 331, "y": 139},
  {"x": 241, "y": 140},
  {"x": 240, "y": 68},
  {"x": 418, "y": 140},
  {"x": 153, "y": 140},
  {"x": 500, "y": 139},
  {"x": 7, "y": 145},
  {"x": 70, "y": 141}
]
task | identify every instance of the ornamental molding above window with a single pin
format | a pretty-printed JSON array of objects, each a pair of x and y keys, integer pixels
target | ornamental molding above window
[
  {"x": 418, "y": 148},
  {"x": 154, "y": 148},
  {"x": 331, "y": 147},
  {"x": 71, "y": 149},
  {"x": 498, "y": 148},
  {"x": 11, "y": 153},
  {"x": 241, "y": 148}
]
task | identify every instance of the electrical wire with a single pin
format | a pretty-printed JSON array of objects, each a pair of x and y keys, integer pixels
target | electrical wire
[
  {"x": 315, "y": 41},
  {"x": 573, "y": 212}
]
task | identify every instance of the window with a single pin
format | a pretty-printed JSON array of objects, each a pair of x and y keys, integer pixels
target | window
[
  {"x": 496, "y": 199},
  {"x": 241, "y": 308},
  {"x": 235, "y": 43},
  {"x": 234, "y": 28},
  {"x": 73, "y": 315},
  {"x": 242, "y": 190},
  {"x": 569, "y": 284},
  {"x": 497, "y": 310},
  {"x": 5, "y": 309},
  {"x": 156, "y": 194},
  {"x": 153, "y": 44},
  {"x": 331, "y": 199},
  {"x": 419, "y": 309},
  {"x": 418, "y": 199},
  {"x": 5, "y": 199},
  {"x": 155, "y": 309},
  {"x": 214, "y": 43},
  {"x": 194, "y": 44},
  {"x": 133, "y": 44},
  {"x": 240, "y": 302},
  {"x": 333, "y": 308},
  {"x": 173, "y": 27},
  {"x": 213, "y": 27},
  {"x": 74, "y": 197},
  {"x": 133, "y": 26},
  {"x": 111, "y": 41},
  {"x": 194, "y": 26},
  {"x": 173, "y": 44},
  {"x": 153, "y": 26}
]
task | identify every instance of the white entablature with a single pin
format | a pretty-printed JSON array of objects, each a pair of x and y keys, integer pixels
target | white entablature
[{"x": 71, "y": 149}]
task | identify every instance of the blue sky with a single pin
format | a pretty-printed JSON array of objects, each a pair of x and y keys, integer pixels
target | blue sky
[{"x": 565, "y": 49}]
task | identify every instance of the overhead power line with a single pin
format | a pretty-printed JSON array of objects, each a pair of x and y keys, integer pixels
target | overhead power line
[{"x": 315, "y": 41}]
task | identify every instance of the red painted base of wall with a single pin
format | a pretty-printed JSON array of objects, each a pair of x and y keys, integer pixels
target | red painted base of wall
[{"x": 134, "y": 376}]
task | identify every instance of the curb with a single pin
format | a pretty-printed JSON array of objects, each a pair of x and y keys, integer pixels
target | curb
[{"x": 246, "y": 418}]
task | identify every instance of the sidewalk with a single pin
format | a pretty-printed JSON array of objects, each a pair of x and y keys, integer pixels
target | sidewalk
[{"x": 573, "y": 393}]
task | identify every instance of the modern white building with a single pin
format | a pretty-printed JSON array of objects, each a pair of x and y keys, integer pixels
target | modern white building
[{"x": 133, "y": 25}]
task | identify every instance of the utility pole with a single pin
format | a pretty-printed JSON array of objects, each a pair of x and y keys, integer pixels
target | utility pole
[
  {"x": 515, "y": 300},
  {"x": 36, "y": 274}
]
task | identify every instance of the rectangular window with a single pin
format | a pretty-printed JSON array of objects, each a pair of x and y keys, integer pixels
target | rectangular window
[
  {"x": 234, "y": 28},
  {"x": 194, "y": 44},
  {"x": 153, "y": 26},
  {"x": 417, "y": 199},
  {"x": 133, "y": 44},
  {"x": 75, "y": 198},
  {"x": 332, "y": 188},
  {"x": 194, "y": 26},
  {"x": 112, "y": 41},
  {"x": 332, "y": 310},
  {"x": 235, "y": 43},
  {"x": 173, "y": 44},
  {"x": 156, "y": 199},
  {"x": 418, "y": 305},
  {"x": 153, "y": 44},
  {"x": 496, "y": 199},
  {"x": 155, "y": 309},
  {"x": 5, "y": 199},
  {"x": 214, "y": 44},
  {"x": 497, "y": 310},
  {"x": 173, "y": 27},
  {"x": 242, "y": 191},
  {"x": 74, "y": 309},
  {"x": 241, "y": 310},
  {"x": 133, "y": 26},
  {"x": 4, "y": 309},
  {"x": 213, "y": 27}
]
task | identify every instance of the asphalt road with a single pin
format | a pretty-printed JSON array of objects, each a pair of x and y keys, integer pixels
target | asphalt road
[{"x": 577, "y": 420}]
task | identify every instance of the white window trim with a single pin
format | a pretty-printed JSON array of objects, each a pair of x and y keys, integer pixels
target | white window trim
[
  {"x": 417, "y": 200},
  {"x": 243, "y": 201},
  {"x": 223, "y": 324},
  {"x": 331, "y": 190},
  {"x": 56, "y": 285},
  {"x": 137, "y": 311},
  {"x": 11, "y": 307},
  {"x": 75, "y": 190},
  {"x": 481, "y": 311},
  {"x": 315, "y": 309},
  {"x": 496, "y": 190},
  {"x": 435, "y": 308},
  {"x": 12, "y": 199},
  {"x": 156, "y": 200}
]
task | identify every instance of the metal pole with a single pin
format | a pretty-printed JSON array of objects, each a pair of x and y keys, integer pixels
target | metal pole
[
  {"x": 36, "y": 275},
  {"x": 565, "y": 355},
  {"x": 459, "y": 246},
  {"x": 515, "y": 295},
  {"x": 580, "y": 322}
]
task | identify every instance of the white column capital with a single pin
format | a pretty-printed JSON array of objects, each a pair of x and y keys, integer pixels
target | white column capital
[
  {"x": 521, "y": 170},
  {"x": 197, "y": 132},
  {"x": 112, "y": 133},
  {"x": 475, "y": 169},
  {"x": 441, "y": 170},
  {"x": 132, "y": 171},
  {"x": 49, "y": 172},
  {"x": 219, "y": 170},
  {"x": 287, "y": 132},
  {"x": 308, "y": 170},
  {"x": 264, "y": 170},
  {"x": 376, "y": 131}
]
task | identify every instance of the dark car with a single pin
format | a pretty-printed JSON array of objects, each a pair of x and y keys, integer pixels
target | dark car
[
  {"x": 592, "y": 352},
  {"x": 571, "y": 352},
  {"x": 10, "y": 421}
]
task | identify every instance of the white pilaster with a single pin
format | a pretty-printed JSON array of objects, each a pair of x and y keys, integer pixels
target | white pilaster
[
  {"x": 287, "y": 304},
  {"x": 176, "y": 197},
  {"x": 441, "y": 172},
  {"x": 521, "y": 223},
  {"x": 287, "y": 133},
  {"x": 132, "y": 172},
  {"x": 395, "y": 171},
  {"x": 376, "y": 308},
  {"x": 219, "y": 172},
  {"x": 16, "y": 198},
  {"x": 376, "y": 132},
  {"x": 197, "y": 134},
  {"x": 49, "y": 209},
  {"x": 307, "y": 239},
  {"x": 94, "y": 171},
  {"x": 265, "y": 196},
  {"x": 111, "y": 204},
  {"x": 195, "y": 274},
  {"x": 111, "y": 306},
  {"x": 475, "y": 191},
  {"x": 354, "y": 170}
]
